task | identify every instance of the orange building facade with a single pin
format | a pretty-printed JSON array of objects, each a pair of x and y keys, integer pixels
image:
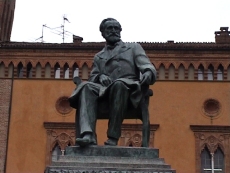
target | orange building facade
[{"x": 189, "y": 111}]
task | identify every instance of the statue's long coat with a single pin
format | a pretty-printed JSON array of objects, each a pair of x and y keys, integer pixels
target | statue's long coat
[{"x": 124, "y": 62}]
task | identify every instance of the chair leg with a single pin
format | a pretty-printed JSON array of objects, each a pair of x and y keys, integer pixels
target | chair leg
[{"x": 145, "y": 126}]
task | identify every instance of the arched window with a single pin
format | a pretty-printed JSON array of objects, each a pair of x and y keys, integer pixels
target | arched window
[
  {"x": 56, "y": 152},
  {"x": 29, "y": 70},
  {"x": 10, "y": 70},
  {"x": 38, "y": 70},
  {"x": 220, "y": 71},
  {"x": 66, "y": 71},
  {"x": 201, "y": 72},
  {"x": 181, "y": 72},
  {"x": 20, "y": 70},
  {"x": 206, "y": 160},
  {"x": 219, "y": 159},
  {"x": 85, "y": 71},
  {"x": 171, "y": 72},
  {"x": 2, "y": 69},
  {"x": 191, "y": 72},
  {"x": 212, "y": 162},
  {"x": 162, "y": 72},
  {"x": 47, "y": 70},
  {"x": 228, "y": 73},
  {"x": 57, "y": 70},
  {"x": 210, "y": 72},
  {"x": 75, "y": 70}
]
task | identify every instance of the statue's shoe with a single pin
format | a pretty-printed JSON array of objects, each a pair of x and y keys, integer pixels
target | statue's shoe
[
  {"x": 110, "y": 141},
  {"x": 85, "y": 141},
  {"x": 82, "y": 141}
]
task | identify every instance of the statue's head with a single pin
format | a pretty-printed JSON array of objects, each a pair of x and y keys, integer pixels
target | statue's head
[{"x": 110, "y": 29}]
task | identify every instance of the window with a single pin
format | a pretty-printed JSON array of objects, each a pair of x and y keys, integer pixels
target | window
[
  {"x": 20, "y": 70},
  {"x": 191, "y": 72},
  {"x": 210, "y": 72},
  {"x": 212, "y": 162},
  {"x": 205, "y": 160},
  {"x": 75, "y": 70},
  {"x": 47, "y": 70},
  {"x": 162, "y": 72},
  {"x": 220, "y": 72},
  {"x": 181, "y": 72},
  {"x": 29, "y": 70},
  {"x": 2, "y": 69},
  {"x": 38, "y": 70},
  {"x": 57, "y": 70},
  {"x": 200, "y": 72},
  {"x": 171, "y": 72},
  {"x": 212, "y": 145},
  {"x": 66, "y": 71}
]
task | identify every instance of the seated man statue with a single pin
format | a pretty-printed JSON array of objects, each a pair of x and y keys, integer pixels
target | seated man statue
[{"x": 114, "y": 79}]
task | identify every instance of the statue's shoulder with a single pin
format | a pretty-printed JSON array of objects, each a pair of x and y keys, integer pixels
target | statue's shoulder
[
  {"x": 132, "y": 45},
  {"x": 99, "y": 54}
]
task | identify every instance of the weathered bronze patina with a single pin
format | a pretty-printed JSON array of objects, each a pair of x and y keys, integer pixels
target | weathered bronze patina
[{"x": 119, "y": 73}]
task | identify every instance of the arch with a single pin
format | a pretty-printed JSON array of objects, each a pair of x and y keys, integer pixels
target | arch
[
  {"x": 2, "y": 69},
  {"x": 210, "y": 72},
  {"x": 75, "y": 70},
  {"x": 161, "y": 73},
  {"x": 57, "y": 70},
  {"x": 200, "y": 73},
  {"x": 191, "y": 71},
  {"x": 85, "y": 71},
  {"x": 206, "y": 158},
  {"x": 47, "y": 70},
  {"x": 20, "y": 70},
  {"x": 29, "y": 70},
  {"x": 10, "y": 69},
  {"x": 228, "y": 73},
  {"x": 171, "y": 72},
  {"x": 66, "y": 71},
  {"x": 220, "y": 72},
  {"x": 38, "y": 70},
  {"x": 181, "y": 72},
  {"x": 55, "y": 152}
]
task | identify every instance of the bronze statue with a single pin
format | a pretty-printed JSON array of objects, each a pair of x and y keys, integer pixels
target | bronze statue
[{"x": 115, "y": 80}]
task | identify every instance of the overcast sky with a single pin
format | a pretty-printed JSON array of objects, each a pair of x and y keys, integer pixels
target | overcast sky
[{"x": 141, "y": 20}]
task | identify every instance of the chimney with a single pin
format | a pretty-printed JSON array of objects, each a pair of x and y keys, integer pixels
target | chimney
[
  {"x": 222, "y": 36},
  {"x": 77, "y": 39}
]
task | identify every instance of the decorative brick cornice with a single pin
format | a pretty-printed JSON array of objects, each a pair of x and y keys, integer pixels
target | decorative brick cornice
[
  {"x": 210, "y": 128},
  {"x": 100, "y": 45},
  {"x": 59, "y": 125}
]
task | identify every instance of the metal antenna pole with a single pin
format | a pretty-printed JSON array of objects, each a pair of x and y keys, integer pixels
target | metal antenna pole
[
  {"x": 42, "y": 32},
  {"x": 63, "y": 27}
]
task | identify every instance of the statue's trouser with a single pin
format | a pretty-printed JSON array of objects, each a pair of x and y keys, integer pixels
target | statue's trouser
[
  {"x": 88, "y": 104},
  {"x": 118, "y": 104}
]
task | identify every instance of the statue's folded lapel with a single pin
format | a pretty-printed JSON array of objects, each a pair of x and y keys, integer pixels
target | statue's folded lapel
[{"x": 118, "y": 50}]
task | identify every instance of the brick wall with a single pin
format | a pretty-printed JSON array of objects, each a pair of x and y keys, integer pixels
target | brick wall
[
  {"x": 6, "y": 18},
  {"x": 5, "y": 92}
]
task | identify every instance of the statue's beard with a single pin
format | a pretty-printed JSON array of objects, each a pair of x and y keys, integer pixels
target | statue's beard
[{"x": 113, "y": 38}]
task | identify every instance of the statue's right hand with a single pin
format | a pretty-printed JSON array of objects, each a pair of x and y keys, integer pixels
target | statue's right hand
[{"x": 105, "y": 80}]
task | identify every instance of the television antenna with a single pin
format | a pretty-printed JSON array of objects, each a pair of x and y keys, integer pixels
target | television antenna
[{"x": 60, "y": 30}]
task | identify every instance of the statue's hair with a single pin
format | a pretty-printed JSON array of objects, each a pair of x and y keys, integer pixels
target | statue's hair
[{"x": 102, "y": 25}]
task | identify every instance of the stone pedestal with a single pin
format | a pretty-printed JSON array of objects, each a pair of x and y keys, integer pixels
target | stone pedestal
[{"x": 108, "y": 159}]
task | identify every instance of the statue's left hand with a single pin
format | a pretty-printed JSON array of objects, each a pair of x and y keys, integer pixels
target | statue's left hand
[
  {"x": 105, "y": 80},
  {"x": 146, "y": 78}
]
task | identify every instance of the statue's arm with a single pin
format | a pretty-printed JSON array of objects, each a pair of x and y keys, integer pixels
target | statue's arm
[
  {"x": 95, "y": 73},
  {"x": 143, "y": 63}
]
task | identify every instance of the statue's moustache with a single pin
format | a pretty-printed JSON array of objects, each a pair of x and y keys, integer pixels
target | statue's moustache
[{"x": 114, "y": 34}]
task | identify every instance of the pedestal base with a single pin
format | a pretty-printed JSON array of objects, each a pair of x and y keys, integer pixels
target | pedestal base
[{"x": 108, "y": 159}]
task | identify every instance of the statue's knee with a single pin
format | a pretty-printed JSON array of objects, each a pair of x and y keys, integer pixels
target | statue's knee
[{"x": 119, "y": 84}]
